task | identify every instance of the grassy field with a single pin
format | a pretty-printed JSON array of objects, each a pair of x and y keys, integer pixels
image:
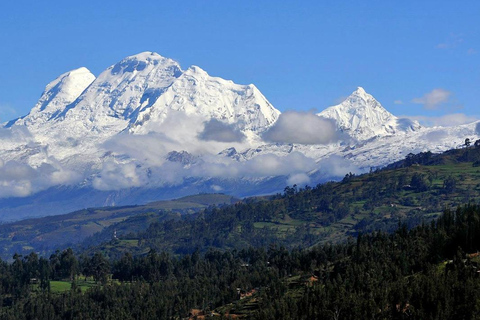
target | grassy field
[{"x": 62, "y": 286}]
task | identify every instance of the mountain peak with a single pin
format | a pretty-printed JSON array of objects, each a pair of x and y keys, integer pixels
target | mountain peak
[
  {"x": 59, "y": 93},
  {"x": 360, "y": 98},
  {"x": 363, "y": 117},
  {"x": 360, "y": 91},
  {"x": 144, "y": 60},
  {"x": 147, "y": 56}
]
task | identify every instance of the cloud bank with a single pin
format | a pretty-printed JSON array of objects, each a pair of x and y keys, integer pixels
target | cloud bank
[
  {"x": 21, "y": 180},
  {"x": 216, "y": 130},
  {"x": 116, "y": 175},
  {"x": 302, "y": 128}
]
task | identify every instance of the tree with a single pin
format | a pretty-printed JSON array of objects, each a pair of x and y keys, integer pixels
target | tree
[
  {"x": 68, "y": 264},
  {"x": 418, "y": 182},
  {"x": 449, "y": 184},
  {"x": 99, "y": 268}
]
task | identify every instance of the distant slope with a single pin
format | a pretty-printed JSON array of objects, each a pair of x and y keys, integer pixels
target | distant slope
[{"x": 47, "y": 233}]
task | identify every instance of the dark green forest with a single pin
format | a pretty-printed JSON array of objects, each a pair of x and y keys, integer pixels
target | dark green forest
[{"x": 427, "y": 272}]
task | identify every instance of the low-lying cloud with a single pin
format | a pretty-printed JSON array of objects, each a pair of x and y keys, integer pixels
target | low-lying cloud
[
  {"x": 115, "y": 176},
  {"x": 20, "y": 180},
  {"x": 435, "y": 136},
  {"x": 302, "y": 128},
  {"x": 17, "y": 134},
  {"x": 336, "y": 166},
  {"x": 216, "y": 130},
  {"x": 142, "y": 160}
]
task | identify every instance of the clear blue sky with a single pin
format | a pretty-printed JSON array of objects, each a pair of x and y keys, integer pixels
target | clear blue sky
[{"x": 416, "y": 57}]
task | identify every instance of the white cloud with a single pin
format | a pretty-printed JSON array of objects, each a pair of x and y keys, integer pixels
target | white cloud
[
  {"x": 131, "y": 161},
  {"x": 398, "y": 102},
  {"x": 447, "y": 120},
  {"x": 300, "y": 179},
  {"x": 149, "y": 148},
  {"x": 16, "y": 134},
  {"x": 435, "y": 136},
  {"x": 130, "y": 173},
  {"x": 433, "y": 99},
  {"x": 222, "y": 132},
  {"x": 216, "y": 188},
  {"x": 336, "y": 166},
  {"x": 116, "y": 177},
  {"x": 265, "y": 165},
  {"x": 273, "y": 165},
  {"x": 451, "y": 42},
  {"x": 301, "y": 127},
  {"x": 21, "y": 180}
]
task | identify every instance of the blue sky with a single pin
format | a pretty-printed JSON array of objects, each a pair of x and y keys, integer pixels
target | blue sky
[{"x": 418, "y": 58}]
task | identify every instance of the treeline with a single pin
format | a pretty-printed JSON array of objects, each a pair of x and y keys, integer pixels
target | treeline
[
  {"x": 421, "y": 273},
  {"x": 19, "y": 277},
  {"x": 154, "y": 286}
]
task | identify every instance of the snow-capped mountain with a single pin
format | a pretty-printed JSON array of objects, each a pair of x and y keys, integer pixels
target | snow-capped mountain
[
  {"x": 372, "y": 137},
  {"x": 78, "y": 112},
  {"x": 363, "y": 117},
  {"x": 146, "y": 129}
]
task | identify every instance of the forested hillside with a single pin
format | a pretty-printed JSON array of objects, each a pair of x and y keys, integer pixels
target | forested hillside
[{"x": 428, "y": 272}]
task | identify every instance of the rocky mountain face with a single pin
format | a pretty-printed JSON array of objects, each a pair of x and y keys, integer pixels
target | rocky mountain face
[{"x": 145, "y": 129}]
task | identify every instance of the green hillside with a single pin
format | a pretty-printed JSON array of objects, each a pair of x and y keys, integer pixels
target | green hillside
[{"x": 48, "y": 233}]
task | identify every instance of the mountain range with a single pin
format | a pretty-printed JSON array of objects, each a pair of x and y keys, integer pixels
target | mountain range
[{"x": 145, "y": 129}]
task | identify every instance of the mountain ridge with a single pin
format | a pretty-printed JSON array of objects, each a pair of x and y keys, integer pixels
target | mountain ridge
[{"x": 145, "y": 125}]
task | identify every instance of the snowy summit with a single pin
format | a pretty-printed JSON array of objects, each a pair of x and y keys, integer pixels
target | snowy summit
[{"x": 363, "y": 117}]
